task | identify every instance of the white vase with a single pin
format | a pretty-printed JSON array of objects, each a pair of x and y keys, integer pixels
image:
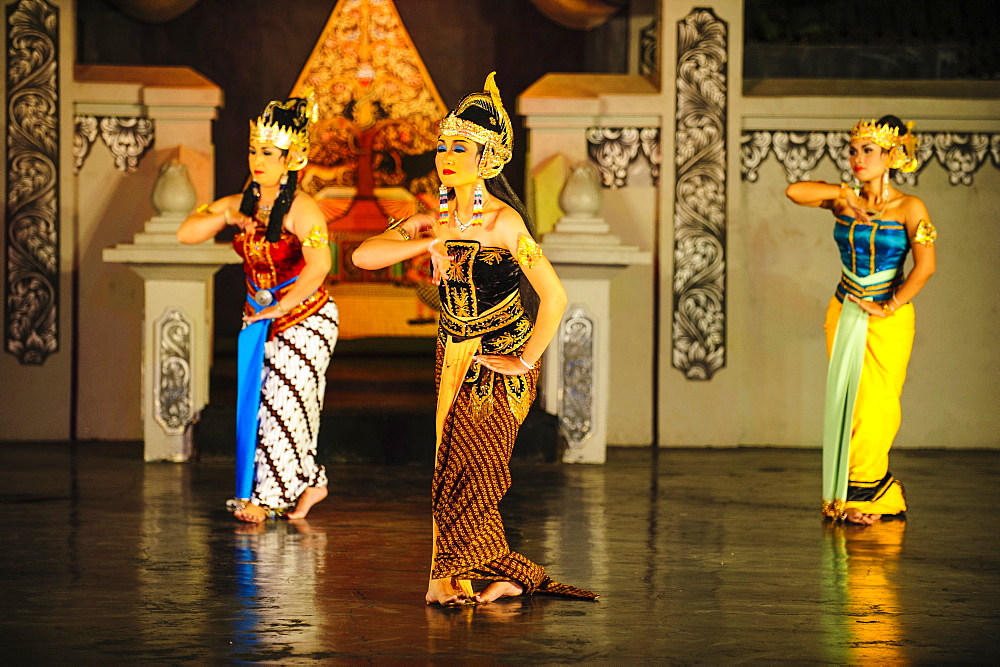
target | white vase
[
  {"x": 581, "y": 194},
  {"x": 173, "y": 193}
]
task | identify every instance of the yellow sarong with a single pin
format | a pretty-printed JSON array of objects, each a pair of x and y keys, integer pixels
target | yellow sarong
[{"x": 877, "y": 414}]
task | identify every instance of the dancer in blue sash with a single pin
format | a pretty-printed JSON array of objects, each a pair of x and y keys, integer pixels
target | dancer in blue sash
[
  {"x": 870, "y": 320},
  {"x": 291, "y": 322}
]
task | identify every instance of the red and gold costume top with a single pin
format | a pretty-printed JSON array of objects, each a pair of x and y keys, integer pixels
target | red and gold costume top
[{"x": 268, "y": 265}]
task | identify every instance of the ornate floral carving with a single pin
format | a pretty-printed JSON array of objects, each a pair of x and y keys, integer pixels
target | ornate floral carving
[
  {"x": 649, "y": 59},
  {"x": 961, "y": 154},
  {"x": 614, "y": 149},
  {"x": 128, "y": 139},
  {"x": 837, "y": 149},
  {"x": 31, "y": 280},
  {"x": 576, "y": 413},
  {"x": 754, "y": 147},
  {"x": 172, "y": 384},
  {"x": 84, "y": 135},
  {"x": 700, "y": 196},
  {"x": 799, "y": 152},
  {"x": 649, "y": 144}
]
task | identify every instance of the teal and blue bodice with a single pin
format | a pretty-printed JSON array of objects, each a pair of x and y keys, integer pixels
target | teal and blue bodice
[{"x": 870, "y": 250}]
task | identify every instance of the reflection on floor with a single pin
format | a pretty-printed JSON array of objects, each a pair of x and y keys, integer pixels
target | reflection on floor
[{"x": 707, "y": 556}]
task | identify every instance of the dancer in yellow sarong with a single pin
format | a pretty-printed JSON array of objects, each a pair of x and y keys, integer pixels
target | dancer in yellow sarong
[
  {"x": 492, "y": 277},
  {"x": 870, "y": 320}
]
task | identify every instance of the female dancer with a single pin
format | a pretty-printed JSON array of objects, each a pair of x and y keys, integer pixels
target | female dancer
[
  {"x": 488, "y": 269},
  {"x": 870, "y": 320},
  {"x": 291, "y": 322}
]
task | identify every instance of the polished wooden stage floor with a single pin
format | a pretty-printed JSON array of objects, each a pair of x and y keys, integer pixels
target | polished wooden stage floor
[{"x": 702, "y": 556}]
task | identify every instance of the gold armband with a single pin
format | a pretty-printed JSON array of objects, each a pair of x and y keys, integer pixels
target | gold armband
[
  {"x": 398, "y": 226},
  {"x": 317, "y": 238},
  {"x": 204, "y": 208},
  {"x": 528, "y": 252},
  {"x": 926, "y": 234}
]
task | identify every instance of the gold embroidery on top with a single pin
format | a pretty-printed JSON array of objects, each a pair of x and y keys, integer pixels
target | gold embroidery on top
[
  {"x": 854, "y": 255},
  {"x": 505, "y": 340},
  {"x": 491, "y": 255},
  {"x": 459, "y": 290},
  {"x": 926, "y": 234},
  {"x": 871, "y": 248},
  {"x": 317, "y": 237}
]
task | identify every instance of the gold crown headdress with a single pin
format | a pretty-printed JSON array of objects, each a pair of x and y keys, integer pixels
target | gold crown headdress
[
  {"x": 482, "y": 118},
  {"x": 286, "y": 125},
  {"x": 902, "y": 149}
]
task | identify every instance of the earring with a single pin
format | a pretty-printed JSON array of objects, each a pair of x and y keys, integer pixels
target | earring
[
  {"x": 443, "y": 204},
  {"x": 885, "y": 185},
  {"x": 477, "y": 205},
  {"x": 284, "y": 179}
]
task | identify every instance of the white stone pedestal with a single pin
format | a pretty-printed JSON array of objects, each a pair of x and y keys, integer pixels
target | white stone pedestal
[
  {"x": 177, "y": 331},
  {"x": 575, "y": 379}
]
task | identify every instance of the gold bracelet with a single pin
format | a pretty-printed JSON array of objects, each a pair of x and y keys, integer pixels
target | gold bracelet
[
  {"x": 277, "y": 304},
  {"x": 204, "y": 208},
  {"x": 895, "y": 301},
  {"x": 526, "y": 365}
]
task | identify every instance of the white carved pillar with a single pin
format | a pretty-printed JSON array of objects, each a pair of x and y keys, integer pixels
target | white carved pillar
[
  {"x": 177, "y": 334},
  {"x": 586, "y": 257},
  {"x": 177, "y": 279}
]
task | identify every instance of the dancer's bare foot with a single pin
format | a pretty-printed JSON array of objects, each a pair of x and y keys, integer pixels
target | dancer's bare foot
[
  {"x": 309, "y": 497},
  {"x": 446, "y": 591},
  {"x": 499, "y": 589},
  {"x": 250, "y": 513},
  {"x": 853, "y": 515}
]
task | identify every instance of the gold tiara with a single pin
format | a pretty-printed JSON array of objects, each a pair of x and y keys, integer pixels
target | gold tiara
[
  {"x": 498, "y": 145},
  {"x": 885, "y": 136},
  {"x": 902, "y": 150},
  {"x": 286, "y": 126}
]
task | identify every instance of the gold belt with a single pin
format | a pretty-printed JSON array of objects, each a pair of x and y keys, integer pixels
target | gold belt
[{"x": 495, "y": 319}]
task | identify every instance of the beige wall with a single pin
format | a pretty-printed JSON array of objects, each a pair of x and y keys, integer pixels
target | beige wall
[
  {"x": 629, "y": 212},
  {"x": 112, "y": 207}
]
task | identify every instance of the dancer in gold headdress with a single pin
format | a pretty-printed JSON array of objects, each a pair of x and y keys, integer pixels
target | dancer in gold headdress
[
  {"x": 492, "y": 279},
  {"x": 291, "y": 322},
  {"x": 870, "y": 320}
]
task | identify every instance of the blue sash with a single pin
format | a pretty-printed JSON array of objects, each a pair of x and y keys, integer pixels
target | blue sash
[{"x": 249, "y": 372}]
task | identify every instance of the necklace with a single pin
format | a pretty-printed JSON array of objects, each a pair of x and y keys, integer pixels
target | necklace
[
  {"x": 462, "y": 226},
  {"x": 871, "y": 212},
  {"x": 876, "y": 214},
  {"x": 477, "y": 211},
  {"x": 264, "y": 213}
]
